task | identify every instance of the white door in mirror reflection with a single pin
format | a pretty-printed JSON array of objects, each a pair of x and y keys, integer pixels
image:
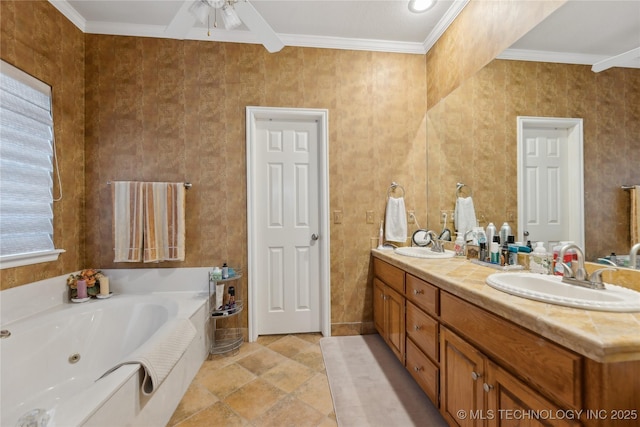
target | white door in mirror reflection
[
  {"x": 287, "y": 232},
  {"x": 550, "y": 188}
]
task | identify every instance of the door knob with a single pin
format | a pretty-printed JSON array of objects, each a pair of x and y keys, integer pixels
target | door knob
[{"x": 314, "y": 236}]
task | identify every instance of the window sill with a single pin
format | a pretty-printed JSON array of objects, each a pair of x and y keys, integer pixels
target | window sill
[{"x": 11, "y": 261}]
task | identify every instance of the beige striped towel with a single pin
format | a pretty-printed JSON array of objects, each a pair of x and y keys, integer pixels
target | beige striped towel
[
  {"x": 127, "y": 220},
  {"x": 635, "y": 215},
  {"x": 164, "y": 221}
]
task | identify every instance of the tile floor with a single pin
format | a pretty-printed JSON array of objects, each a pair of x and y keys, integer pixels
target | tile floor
[{"x": 279, "y": 380}]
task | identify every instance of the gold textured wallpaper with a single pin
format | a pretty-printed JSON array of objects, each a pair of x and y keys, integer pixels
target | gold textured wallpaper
[
  {"x": 482, "y": 30},
  {"x": 36, "y": 38},
  {"x": 133, "y": 108},
  {"x": 170, "y": 110},
  {"x": 472, "y": 139}
]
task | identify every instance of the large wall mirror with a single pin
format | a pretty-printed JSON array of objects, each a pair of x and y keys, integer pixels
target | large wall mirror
[{"x": 472, "y": 133}]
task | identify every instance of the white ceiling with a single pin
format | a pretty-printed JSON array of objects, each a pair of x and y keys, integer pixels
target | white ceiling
[{"x": 581, "y": 31}]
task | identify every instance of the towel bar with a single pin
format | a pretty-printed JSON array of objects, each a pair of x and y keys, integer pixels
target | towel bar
[
  {"x": 459, "y": 186},
  {"x": 393, "y": 187},
  {"x": 187, "y": 185}
]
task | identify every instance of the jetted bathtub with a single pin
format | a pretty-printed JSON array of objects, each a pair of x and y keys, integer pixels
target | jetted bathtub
[{"x": 53, "y": 361}]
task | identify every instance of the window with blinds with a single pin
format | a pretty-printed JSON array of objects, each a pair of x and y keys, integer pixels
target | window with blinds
[{"x": 26, "y": 169}]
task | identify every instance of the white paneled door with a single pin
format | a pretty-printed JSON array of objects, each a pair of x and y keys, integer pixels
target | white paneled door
[
  {"x": 287, "y": 232},
  {"x": 546, "y": 215},
  {"x": 550, "y": 180}
]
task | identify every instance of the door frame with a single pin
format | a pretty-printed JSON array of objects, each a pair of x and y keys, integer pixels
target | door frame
[
  {"x": 575, "y": 167},
  {"x": 321, "y": 116}
]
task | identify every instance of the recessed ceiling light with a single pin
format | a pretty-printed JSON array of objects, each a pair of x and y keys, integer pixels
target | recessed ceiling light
[{"x": 419, "y": 6}]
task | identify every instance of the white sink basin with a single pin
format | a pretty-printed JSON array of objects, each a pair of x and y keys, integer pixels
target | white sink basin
[
  {"x": 420, "y": 252},
  {"x": 551, "y": 289}
]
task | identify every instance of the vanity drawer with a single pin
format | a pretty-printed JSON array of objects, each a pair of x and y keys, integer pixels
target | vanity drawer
[
  {"x": 423, "y": 330},
  {"x": 389, "y": 274},
  {"x": 423, "y": 371},
  {"x": 540, "y": 362},
  {"x": 423, "y": 294}
]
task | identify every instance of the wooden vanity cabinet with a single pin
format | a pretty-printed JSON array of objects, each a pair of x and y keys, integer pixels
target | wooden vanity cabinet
[
  {"x": 389, "y": 306},
  {"x": 454, "y": 348},
  {"x": 476, "y": 392}
]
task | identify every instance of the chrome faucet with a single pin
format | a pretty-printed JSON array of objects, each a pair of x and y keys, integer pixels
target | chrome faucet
[
  {"x": 633, "y": 256},
  {"x": 580, "y": 276},
  {"x": 436, "y": 245}
]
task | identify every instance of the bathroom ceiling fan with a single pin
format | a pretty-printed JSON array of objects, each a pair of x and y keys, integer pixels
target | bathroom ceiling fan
[{"x": 234, "y": 13}]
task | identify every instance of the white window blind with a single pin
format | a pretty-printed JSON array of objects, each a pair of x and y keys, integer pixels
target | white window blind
[{"x": 26, "y": 169}]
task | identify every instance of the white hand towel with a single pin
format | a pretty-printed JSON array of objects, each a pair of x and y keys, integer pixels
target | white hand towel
[
  {"x": 465, "y": 215},
  {"x": 396, "y": 220}
]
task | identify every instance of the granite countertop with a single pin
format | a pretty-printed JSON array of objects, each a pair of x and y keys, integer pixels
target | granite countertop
[{"x": 602, "y": 336}]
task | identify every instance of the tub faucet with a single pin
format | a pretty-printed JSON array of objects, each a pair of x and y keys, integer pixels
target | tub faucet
[
  {"x": 436, "y": 245},
  {"x": 633, "y": 256},
  {"x": 580, "y": 277}
]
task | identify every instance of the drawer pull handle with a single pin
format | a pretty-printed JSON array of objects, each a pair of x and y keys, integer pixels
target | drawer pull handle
[
  {"x": 487, "y": 387},
  {"x": 475, "y": 375},
  {"x": 417, "y": 368},
  {"x": 416, "y": 327},
  {"x": 418, "y": 291}
]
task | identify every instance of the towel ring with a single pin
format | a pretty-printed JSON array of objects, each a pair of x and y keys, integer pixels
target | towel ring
[
  {"x": 459, "y": 187},
  {"x": 393, "y": 187}
]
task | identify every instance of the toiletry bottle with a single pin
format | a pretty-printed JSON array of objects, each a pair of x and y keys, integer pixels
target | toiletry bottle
[
  {"x": 381, "y": 237},
  {"x": 225, "y": 271},
  {"x": 482, "y": 254},
  {"x": 232, "y": 296},
  {"x": 482, "y": 243},
  {"x": 458, "y": 245},
  {"x": 491, "y": 231},
  {"x": 513, "y": 251},
  {"x": 505, "y": 231},
  {"x": 504, "y": 253},
  {"x": 495, "y": 250},
  {"x": 217, "y": 273}
]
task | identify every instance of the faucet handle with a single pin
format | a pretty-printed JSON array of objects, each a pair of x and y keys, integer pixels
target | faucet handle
[
  {"x": 596, "y": 276},
  {"x": 567, "y": 271}
]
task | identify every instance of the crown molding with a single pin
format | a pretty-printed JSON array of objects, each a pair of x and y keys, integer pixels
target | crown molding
[
  {"x": 323, "y": 42},
  {"x": 241, "y": 36},
  {"x": 444, "y": 23},
  {"x": 545, "y": 56},
  {"x": 70, "y": 13}
]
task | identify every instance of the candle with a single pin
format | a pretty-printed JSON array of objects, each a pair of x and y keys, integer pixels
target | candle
[
  {"x": 104, "y": 285},
  {"x": 81, "y": 287}
]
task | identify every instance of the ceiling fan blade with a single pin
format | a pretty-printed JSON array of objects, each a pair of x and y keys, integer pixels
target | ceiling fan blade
[
  {"x": 258, "y": 26},
  {"x": 181, "y": 23}
]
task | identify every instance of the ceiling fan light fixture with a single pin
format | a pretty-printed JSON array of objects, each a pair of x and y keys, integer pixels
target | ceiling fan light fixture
[
  {"x": 200, "y": 10},
  {"x": 230, "y": 17},
  {"x": 419, "y": 6}
]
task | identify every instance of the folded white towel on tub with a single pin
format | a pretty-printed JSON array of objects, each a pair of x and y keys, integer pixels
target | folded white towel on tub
[
  {"x": 395, "y": 220},
  {"x": 160, "y": 353}
]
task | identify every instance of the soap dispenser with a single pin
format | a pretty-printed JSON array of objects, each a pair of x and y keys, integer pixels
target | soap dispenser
[{"x": 540, "y": 260}]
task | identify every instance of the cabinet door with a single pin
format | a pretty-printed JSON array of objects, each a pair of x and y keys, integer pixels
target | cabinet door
[
  {"x": 378, "y": 307},
  {"x": 462, "y": 399},
  {"x": 512, "y": 403},
  {"x": 394, "y": 303}
]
